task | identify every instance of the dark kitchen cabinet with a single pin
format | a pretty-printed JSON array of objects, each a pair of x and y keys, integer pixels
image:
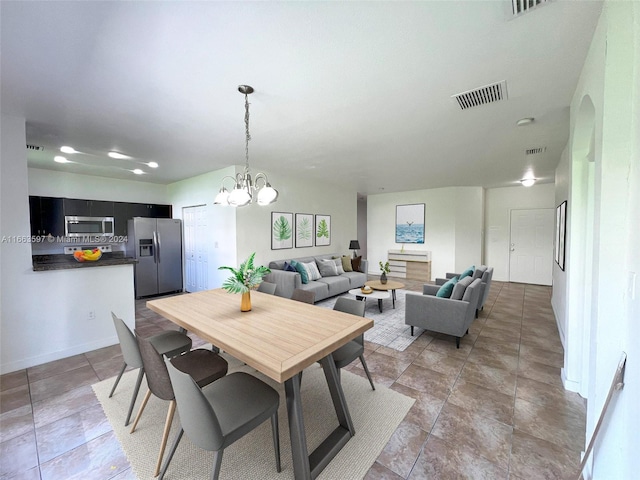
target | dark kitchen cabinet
[
  {"x": 124, "y": 211},
  {"x": 87, "y": 208},
  {"x": 47, "y": 216}
]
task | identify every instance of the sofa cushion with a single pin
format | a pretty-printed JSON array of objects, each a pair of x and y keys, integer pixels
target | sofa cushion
[
  {"x": 479, "y": 271},
  {"x": 460, "y": 287},
  {"x": 312, "y": 271},
  {"x": 468, "y": 272},
  {"x": 346, "y": 263},
  {"x": 355, "y": 263},
  {"x": 339, "y": 268},
  {"x": 327, "y": 267},
  {"x": 356, "y": 279},
  {"x": 336, "y": 284},
  {"x": 301, "y": 270},
  {"x": 447, "y": 288},
  {"x": 287, "y": 267},
  {"x": 319, "y": 288}
]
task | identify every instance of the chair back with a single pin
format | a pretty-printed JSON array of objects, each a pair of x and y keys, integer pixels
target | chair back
[
  {"x": 472, "y": 295},
  {"x": 486, "y": 280},
  {"x": 128, "y": 344},
  {"x": 156, "y": 370},
  {"x": 354, "y": 307},
  {"x": 197, "y": 417},
  {"x": 305, "y": 296},
  {"x": 267, "y": 287},
  {"x": 350, "y": 305}
]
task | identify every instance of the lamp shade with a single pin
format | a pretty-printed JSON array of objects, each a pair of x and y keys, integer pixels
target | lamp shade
[{"x": 354, "y": 245}]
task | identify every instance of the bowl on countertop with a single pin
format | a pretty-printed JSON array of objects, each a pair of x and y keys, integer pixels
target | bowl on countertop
[{"x": 82, "y": 256}]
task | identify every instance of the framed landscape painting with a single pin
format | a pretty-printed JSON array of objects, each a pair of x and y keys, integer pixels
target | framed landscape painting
[
  {"x": 281, "y": 230},
  {"x": 410, "y": 223},
  {"x": 323, "y": 230},
  {"x": 304, "y": 230}
]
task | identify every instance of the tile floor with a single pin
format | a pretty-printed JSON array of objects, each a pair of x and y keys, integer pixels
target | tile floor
[{"x": 494, "y": 409}]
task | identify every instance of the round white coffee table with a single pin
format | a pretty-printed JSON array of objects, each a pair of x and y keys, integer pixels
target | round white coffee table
[{"x": 377, "y": 294}]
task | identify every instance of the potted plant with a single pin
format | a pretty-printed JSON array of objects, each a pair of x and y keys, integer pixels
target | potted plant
[
  {"x": 244, "y": 279},
  {"x": 384, "y": 268}
]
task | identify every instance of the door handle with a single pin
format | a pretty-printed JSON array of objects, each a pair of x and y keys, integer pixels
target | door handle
[
  {"x": 159, "y": 246},
  {"x": 155, "y": 248}
]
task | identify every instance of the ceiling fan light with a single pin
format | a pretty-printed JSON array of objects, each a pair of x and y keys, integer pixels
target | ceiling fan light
[{"x": 267, "y": 195}]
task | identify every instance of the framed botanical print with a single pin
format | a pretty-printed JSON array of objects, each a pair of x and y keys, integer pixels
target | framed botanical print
[
  {"x": 410, "y": 223},
  {"x": 323, "y": 230},
  {"x": 304, "y": 230},
  {"x": 281, "y": 230}
]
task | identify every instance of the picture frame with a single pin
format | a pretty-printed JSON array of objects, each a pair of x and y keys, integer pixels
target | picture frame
[
  {"x": 281, "y": 230},
  {"x": 561, "y": 232},
  {"x": 323, "y": 230},
  {"x": 304, "y": 230},
  {"x": 410, "y": 223}
]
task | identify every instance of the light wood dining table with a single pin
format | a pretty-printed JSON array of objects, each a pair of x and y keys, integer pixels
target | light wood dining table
[{"x": 279, "y": 337}]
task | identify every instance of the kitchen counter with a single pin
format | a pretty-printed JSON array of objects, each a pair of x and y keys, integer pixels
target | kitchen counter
[{"x": 42, "y": 263}]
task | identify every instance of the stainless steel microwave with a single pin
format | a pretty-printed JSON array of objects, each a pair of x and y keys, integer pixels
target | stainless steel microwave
[{"x": 88, "y": 226}]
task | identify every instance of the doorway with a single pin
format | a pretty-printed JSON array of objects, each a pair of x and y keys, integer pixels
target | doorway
[
  {"x": 531, "y": 246},
  {"x": 196, "y": 255}
]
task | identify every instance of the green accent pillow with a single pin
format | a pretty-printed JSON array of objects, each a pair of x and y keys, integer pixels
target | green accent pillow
[
  {"x": 467, "y": 272},
  {"x": 447, "y": 288},
  {"x": 301, "y": 270},
  {"x": 346, "y": 264}
]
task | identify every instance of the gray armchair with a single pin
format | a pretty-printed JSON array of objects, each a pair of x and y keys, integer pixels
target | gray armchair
[
  {"x": 451, "y": 316},
  {"x": 485, "y": 274}
]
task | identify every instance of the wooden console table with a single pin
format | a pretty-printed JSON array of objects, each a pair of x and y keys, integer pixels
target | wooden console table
[{"x": 413, "y": 264}]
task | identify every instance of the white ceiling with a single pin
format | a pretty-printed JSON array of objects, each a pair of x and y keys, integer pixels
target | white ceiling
[{"x": 355, "y": 93}]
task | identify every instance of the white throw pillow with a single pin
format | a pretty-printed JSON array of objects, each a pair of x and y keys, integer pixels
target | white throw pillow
[{"x": 312, "y": 271}]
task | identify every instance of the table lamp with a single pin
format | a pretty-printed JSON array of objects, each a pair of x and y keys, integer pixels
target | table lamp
[{"x": 354, "y": 245}]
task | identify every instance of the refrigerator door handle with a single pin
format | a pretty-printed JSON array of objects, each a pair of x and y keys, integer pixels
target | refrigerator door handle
[
  {"x": 155, "y": 247},
  {"x": 159, "y": 245}
]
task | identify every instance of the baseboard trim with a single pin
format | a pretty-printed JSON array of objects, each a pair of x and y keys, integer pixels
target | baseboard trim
[
  {"x": 570, "y": 385},
  {"x": 52, "y": 356}
]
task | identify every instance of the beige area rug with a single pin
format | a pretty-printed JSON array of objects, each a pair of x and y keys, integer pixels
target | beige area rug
[{"x": 375, "y": 414}]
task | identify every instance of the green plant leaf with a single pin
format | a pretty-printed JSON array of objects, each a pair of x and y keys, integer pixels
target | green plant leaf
[
  {"x": 245, "y": 277},
  {"x": 304, "y": 229},
  {"x": 323, "y": 229},
  {"x": 281, "y": 229}
]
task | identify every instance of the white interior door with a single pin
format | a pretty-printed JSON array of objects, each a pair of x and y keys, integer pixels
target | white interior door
[
  {"x": 531, "y": 247},
  {"x": 195, "y": 248}
]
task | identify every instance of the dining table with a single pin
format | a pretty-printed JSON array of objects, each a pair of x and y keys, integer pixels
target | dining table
[{"x": 278, "y": 337}]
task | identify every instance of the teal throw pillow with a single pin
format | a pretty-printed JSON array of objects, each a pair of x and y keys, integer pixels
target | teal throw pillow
[
  {"x": 468, "y": 271},
  {"x": 447, "y": 288},
  {"x": 301, "y": 270}
]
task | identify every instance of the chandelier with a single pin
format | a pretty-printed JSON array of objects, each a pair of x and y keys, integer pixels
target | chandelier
[{"x": 245, "y": 189}]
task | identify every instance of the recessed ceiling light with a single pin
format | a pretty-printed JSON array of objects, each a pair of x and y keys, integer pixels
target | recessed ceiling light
[
  {"x": 119, "y": 156},
  {"x": 67, "y": 149},
  {"x": 152, "y": 165},
  {"x": 137, "y": 171},
  {"x": 527, "y": 182},
  {"x": 525, "y": 121},
  {"x": 60, "y": 159}
]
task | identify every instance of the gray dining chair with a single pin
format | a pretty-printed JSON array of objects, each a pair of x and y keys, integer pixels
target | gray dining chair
[
  {"x": 267, "y": 287},
  {"x": 216, "y": 416},
  {"x": 204, "y": 365},
  {"x": 305, "y": 296},
  {"x": 168, "y": 343},
  {"x": 354, "y": 348}
]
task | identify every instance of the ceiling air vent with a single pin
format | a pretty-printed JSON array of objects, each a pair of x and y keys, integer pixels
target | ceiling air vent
[
  {"x": 524, "y": 6},
  {"x": 535, "y": 151},
  {"x": 480, "y": 96},
  {"x": 35, "y": 148}
]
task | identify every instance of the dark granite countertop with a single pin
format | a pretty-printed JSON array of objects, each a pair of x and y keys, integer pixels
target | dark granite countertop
[{"x": 43, "y": 263}]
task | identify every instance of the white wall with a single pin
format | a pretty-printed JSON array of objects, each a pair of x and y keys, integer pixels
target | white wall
[
  {"x": 499, "y": 203},
  {"x": 44, "y": 315},
  {"x": 221, "y": 221},
  {"x": 453, "y": 227},
  {"x": 611, "y": 81},
  {"x": 72, "y": 185},
  {"x": 297, "y": 195}
]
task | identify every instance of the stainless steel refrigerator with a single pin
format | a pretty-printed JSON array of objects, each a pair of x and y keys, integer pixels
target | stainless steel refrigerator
[{"x": 157, "y": 245}]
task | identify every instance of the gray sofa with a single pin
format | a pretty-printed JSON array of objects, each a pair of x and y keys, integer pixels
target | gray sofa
[
  {"x": 324, "y": 287},
  {"x": 451, "y": 316}
]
